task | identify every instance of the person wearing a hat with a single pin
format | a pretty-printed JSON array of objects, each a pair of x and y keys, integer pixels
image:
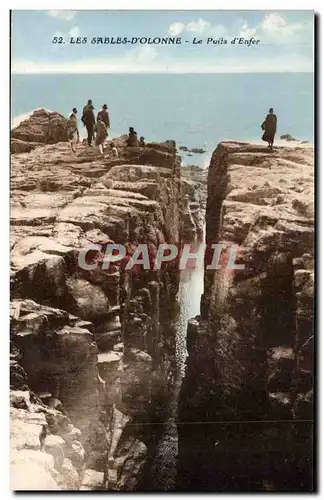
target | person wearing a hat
[
  {"x": 88, "y": 119},
  {"x": 104, "y": 116}
]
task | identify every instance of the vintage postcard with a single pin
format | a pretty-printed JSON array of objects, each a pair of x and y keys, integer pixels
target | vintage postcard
[{"x": 162, "y": 251}]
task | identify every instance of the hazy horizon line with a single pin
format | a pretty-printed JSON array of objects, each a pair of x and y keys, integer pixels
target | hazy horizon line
[{"x": 164, "y": 73}]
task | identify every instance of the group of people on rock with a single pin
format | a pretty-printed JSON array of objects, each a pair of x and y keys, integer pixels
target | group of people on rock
[
  {"x": 97, "y": 129},
  {"x": 132, "y": 139}
]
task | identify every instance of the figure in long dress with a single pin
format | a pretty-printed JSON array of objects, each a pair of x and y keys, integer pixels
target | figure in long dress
[
  {"x": 270, "y": 128},
  {"x": 102, "y": 134}
]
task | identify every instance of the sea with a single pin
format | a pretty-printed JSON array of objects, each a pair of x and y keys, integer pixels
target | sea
[{"x": 195, "y": 110}]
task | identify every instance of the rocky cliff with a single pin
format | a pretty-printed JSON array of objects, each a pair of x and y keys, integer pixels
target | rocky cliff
[
  {"x": 91, "y": 350},
  {"x": 41, "y": 127},
  {"x": 245, "y": 418}
]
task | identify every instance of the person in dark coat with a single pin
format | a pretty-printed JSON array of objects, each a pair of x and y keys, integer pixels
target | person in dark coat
[
  {"x": 270, "y": 128},
  {"x": 88, "y": 119},
  {"x": 104, "y": 116}
]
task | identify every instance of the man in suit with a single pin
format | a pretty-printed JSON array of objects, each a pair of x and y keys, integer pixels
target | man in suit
[{"x": 88, "y": 119}]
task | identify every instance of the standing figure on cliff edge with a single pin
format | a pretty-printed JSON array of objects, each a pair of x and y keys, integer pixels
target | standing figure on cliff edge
[
  {"x": 270, "y": 128},
  {"x": 72, "y": 129},
  {"x": 102, "y": 134},
  {"x": 104, "y": 115},
  {"x": 88, "y": 119}
]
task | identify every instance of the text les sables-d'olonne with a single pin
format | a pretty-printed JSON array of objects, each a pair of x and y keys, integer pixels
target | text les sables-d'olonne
[{"x": 81, "y": 40}]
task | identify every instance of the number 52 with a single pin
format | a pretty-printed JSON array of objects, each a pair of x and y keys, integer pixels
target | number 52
[{"x": 58, "y": 39}]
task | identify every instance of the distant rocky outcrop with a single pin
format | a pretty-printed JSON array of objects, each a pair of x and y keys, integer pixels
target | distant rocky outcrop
[
  {"x": 287, "y": 137},
  {"x": 42, "y": 126},
  {"x": 249, "y": 376},
  {"x": 192, "y": 150}
]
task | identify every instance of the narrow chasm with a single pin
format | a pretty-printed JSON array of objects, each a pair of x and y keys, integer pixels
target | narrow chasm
[
  {"x": 197, "y": 380},
  {"x": 161, "y": 468}
]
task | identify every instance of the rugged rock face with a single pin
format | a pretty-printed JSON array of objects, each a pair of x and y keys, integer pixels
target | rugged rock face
[
  {"x": 18, "y": 146},
  {"x": 90, "y": 348},
  {"x": 46, "y": 127},
  {"x": 245, "y": 421}
]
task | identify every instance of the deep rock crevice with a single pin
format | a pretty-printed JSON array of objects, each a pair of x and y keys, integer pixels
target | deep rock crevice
[{"x": 99, "y": 398}]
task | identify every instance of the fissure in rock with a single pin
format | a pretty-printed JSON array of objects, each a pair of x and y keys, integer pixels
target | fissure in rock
[{"x": 103, "y": 395}]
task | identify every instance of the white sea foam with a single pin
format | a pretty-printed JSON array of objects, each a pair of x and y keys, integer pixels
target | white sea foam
[{"x": 16, "y": 120}]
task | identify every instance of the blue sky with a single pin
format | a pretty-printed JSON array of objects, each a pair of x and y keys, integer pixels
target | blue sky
[{"x": 286, "y": 41}]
